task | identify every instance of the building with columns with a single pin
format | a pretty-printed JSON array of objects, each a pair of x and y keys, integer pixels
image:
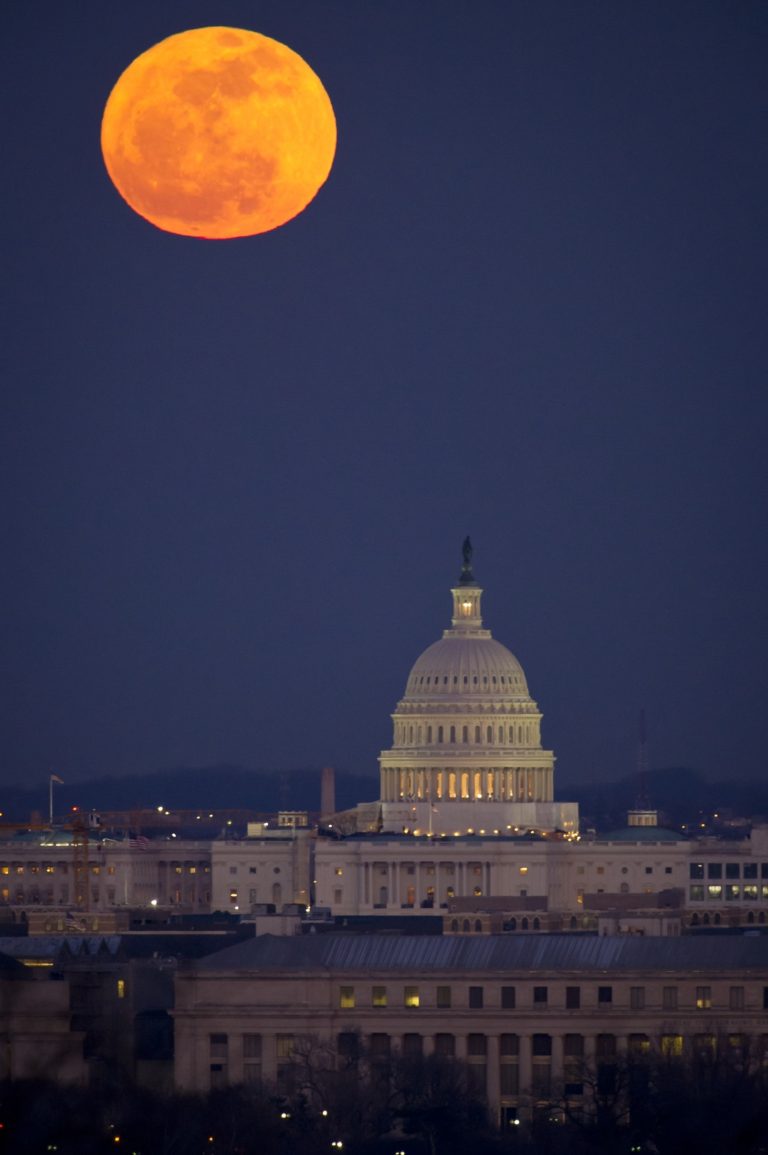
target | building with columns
[
  {"x": 528, "y": 1015},
  {"x": 466, "y": 753}
]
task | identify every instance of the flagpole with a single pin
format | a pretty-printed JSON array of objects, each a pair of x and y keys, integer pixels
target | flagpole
[{"x": 50, "y": 799}]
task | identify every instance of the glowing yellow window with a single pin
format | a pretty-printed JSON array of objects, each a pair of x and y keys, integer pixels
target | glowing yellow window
[
  {"x": 671, "y": 1046},
  {"x": 379, "y": 996},
  {"x": 121, "y": 988},
  {"x": 411, "y": 996},
  {"x": 703, "y": 998},
  {"x": 347, "y": 998}
]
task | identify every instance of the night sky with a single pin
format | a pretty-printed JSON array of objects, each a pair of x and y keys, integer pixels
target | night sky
[{"x": 528, "y": 305}]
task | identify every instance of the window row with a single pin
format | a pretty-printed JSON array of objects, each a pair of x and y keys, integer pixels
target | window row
[
  {"x": 570, "y": 997},
  {"x": 537, "y": 1049},
  {"x": 728, "y": 870},
  {"x": 474, "y": 735},
  {"x": 729, "y": 891}
]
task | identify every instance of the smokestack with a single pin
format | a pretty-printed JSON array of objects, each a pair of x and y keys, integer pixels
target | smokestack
[{"x": 327, "y": 792}]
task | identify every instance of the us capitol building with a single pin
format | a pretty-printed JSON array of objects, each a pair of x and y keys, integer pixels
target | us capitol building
[
  {"x": 544, "y": 955},
  {"x": 466, "y": 755}
]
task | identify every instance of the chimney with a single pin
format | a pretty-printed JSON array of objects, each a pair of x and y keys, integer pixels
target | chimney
[{"x": 327, "y": 792}]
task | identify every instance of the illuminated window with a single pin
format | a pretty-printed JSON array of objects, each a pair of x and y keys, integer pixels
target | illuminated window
[
  {"x": 338, "y": 871},
  {"x": 411, "y": 996},
  {"x": 347, "y": 998},
  {"x": 121, "y": 988},
  {"x": 638, "y": 1045},
  {"x": 284, "y": 1046},
  {"x": 703, "y": 998},
  {"x": 379, "y": 996},
  {"x": 671, "y": 1046},
  {"x": 715, "y": 890}
]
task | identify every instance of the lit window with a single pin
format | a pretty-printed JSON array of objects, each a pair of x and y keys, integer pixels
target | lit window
[
  {"x": 121, "y": 988},
  {"x": 703, "y": 998},
  {"x": 671, "y": 1046},
  {"x": 411, "y": 996},
  {"x": 379, "y": 996},
  {"x": 347, "y": 998}
]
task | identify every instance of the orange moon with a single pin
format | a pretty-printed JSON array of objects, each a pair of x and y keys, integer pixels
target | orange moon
[{"x": 218, "y": 133}]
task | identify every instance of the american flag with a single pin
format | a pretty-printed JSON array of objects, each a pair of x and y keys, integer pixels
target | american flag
[{"x": 139, "y": 842}]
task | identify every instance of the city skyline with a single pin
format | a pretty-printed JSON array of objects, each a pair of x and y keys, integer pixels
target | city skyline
[{"x": 528, "y": 306}]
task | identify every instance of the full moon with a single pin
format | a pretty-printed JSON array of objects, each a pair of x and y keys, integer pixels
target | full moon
[{"x": 218, "y": 133}]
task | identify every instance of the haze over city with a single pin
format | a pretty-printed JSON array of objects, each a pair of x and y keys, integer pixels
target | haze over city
[{"x": 528, "y": 305}]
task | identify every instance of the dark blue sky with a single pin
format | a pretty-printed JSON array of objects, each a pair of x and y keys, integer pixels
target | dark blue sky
[{"x": 529, "y": 304}]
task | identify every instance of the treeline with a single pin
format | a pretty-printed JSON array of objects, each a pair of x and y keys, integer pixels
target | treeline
[{"x": 713, "y": 1101}]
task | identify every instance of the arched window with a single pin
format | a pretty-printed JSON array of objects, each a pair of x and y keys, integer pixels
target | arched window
[
  {"x": 477, "y": 735},
  {"x": 439, "y": 733},
  {"x": 478, "y": 925},
  {"x": 489, "y": 734},
  {"x": 465, "y": 926},
  {"x": 524, "y": 924},
  {"x": 536, "y": 924},
  {"x": 465, "y": 733},
  {"x": 454, "y": 924},
  {"x": 453, "y": 733}
]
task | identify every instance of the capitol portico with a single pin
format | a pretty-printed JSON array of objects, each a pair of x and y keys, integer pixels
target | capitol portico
[{"x": 466, "y": 754}]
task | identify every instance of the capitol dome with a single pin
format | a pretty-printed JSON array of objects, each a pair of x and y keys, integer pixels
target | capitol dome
[
  {"x": 468, "y": 667},
  {"x": 466, "y": 730}
]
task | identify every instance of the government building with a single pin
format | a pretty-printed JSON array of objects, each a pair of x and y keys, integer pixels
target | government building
[{"x": 462, "y": 914}]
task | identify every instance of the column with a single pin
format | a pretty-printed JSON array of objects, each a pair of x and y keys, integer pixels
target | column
[
  {"x": 526, "y": 1066},
  {"x": 492, "y": 1073}
]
